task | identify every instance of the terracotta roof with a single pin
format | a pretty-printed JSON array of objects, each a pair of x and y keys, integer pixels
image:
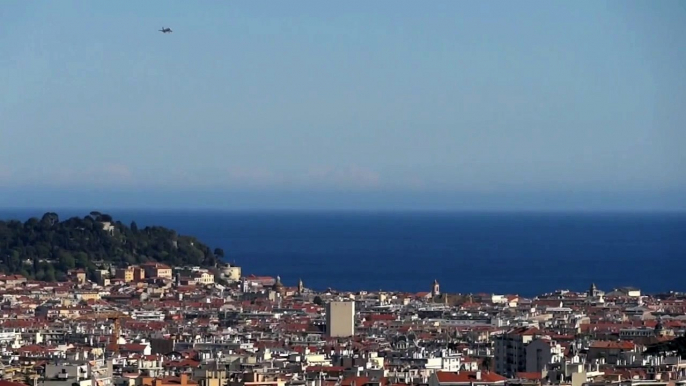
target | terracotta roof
[
  {"x": 524, "y": 331},
  {"x": 469, "y": 377},
  {"x": 359, "y": 381},
  {"x": 183, "y": 363},
  {"x": 529, "y": 376},
  {"x": 8, "y": 383},
  {"x": 602, "y": 344},
  {"x": 324, "y": 369}
]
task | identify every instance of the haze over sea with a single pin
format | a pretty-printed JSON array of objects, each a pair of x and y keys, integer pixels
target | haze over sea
[{"x": 523, "y": 253}]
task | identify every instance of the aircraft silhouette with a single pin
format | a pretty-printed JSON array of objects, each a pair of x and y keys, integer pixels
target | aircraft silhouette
[{"x": 165, "y": 30}]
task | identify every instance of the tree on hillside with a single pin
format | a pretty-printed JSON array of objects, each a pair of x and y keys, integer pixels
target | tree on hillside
[
  {"x": 219, "y": 253},
  {"x": 46, "y": 249}
]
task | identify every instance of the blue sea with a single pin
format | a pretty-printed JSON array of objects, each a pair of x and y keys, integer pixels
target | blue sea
[{"x": 522, "y": 253}]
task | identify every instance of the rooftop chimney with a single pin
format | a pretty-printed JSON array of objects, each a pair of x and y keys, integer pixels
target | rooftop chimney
[{"x": 478, "y": 375}]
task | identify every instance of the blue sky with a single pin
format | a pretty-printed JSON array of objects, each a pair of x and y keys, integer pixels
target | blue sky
[{"x": 386, "y": 102}]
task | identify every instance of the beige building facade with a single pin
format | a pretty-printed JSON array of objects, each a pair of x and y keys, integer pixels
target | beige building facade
[{"x": 340, "y": 319}]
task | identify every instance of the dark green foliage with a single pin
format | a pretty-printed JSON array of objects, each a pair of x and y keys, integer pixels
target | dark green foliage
[
  {"x": 46, "y": 249},
  {"x": 318, "y": 301},
  {"x": 677, "y": 345}
]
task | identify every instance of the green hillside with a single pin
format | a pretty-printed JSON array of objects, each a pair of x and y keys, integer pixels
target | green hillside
[{"x": 46, "y": 248}]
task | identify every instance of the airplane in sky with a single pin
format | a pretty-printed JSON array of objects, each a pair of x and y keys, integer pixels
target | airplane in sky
[{"x": 165, "y": 30}]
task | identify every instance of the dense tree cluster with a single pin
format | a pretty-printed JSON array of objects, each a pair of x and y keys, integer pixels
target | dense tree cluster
[
  {"x": 47, "y": 248},
  {"x": 677, "y": 345}
]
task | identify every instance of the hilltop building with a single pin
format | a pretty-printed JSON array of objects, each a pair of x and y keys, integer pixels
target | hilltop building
[
  {"x": 157, "y": 270},
  {"x": 130, "y": 274},
  {"x": 231, "y": 273}
]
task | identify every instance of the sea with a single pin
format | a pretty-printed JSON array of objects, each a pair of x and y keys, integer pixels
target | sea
[{"x": 502, "y": 253}]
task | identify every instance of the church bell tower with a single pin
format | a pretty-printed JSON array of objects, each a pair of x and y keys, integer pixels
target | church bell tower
[{"x": 435, "y": 289}]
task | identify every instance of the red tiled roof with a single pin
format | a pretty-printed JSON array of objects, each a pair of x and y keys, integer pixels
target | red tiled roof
[
  {"x": 358, "y": 381},
  {"x": 8, "y": 383},
  {"x": 524, "y": 331},
  {"x": 529, "y": 376},
  {"x": 132, "y": 347},
  {"x": 624, "y": 345},
  {"x": 469, "y": 377},
  {"x": 324, "y": 369},
  {"x": 183, "y": 363}
]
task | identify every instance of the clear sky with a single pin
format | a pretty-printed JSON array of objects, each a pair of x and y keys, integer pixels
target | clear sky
[{"x": 389, "y": 104}]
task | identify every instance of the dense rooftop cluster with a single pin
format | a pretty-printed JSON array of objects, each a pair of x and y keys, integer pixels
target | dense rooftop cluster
[{"x": 154, "y": 325}]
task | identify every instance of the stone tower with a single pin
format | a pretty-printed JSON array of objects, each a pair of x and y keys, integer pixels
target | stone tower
[{"x": 435, "y": 289}]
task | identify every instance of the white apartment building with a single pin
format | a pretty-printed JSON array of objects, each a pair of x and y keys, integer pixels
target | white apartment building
[{"x": 510, "y": 350}]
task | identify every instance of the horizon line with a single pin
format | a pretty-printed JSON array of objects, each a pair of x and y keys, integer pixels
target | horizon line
[{"x": 259, "y": 210}]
